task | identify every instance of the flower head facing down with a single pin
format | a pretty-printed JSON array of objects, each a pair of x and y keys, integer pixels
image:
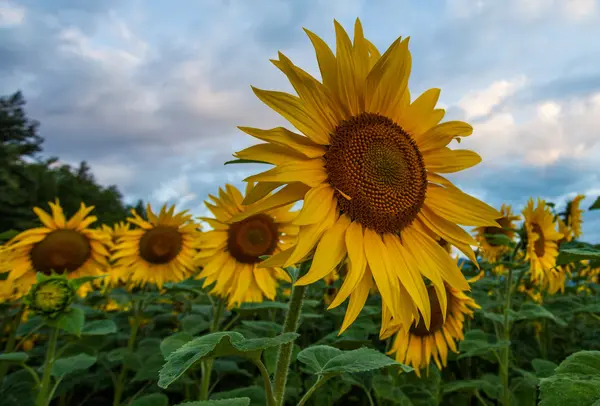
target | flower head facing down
[
  {"x": 367, "y": 165},
  {"x": 492, "y": 249},
  {"x": 51, "y": 296}
]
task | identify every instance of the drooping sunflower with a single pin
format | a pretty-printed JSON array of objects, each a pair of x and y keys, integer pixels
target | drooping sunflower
[
  {"x": 160, "y": 250},
  {"x": 573, "y": 215},
  {"x": 231, "y": 252},
  {"x": 60, "y": 246},
  {"x": 492, "y": 251},
  {"x": 367, "y": 166},
  {"x": 418, "y": 344},
  {"x": 542, "y": 237}
]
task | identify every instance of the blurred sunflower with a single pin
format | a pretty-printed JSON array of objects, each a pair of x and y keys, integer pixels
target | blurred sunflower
[
  {"x": 367, "y": 167},
  {"x": 492, "y": 251},
  {"x": 161, "y": 250},
  {"x": 530, "y": 289},
  {"x": 566, "y": 231},
  {"x": 115, "y": 277},
  {"x": 231, "y": 252},
  {"x": 542, "y": 237},
  {"x": 573, "y": 215},
  {"x": 60, "y": 246},
  {"x": 418, "y": 344}
]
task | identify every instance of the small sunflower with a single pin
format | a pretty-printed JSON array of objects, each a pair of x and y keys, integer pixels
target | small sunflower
[
  {"x": 492, "y": 251},
  {"x": 565, "y": 230},
  {"x": 542, "y": 237},
  {"x": 368, "y": 168},
  {"x": 418, "y": 344},
  {"x": 161, "y": 250},
  {"x": 60, "y": 246},
  {"x": 231, "y": 252},
  {"x": 573, "y": 215},
  {"x": 51, "y": 297}
]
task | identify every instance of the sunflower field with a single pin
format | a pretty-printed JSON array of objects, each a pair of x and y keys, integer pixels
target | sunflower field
[{"x": 351, "y": 271}]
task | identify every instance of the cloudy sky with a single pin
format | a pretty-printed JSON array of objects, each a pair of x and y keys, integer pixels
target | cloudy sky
[{"x": 150, "y": 92}]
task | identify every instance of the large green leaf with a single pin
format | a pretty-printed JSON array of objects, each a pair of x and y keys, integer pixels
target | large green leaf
[
  {"x": 71, "y": 321},
  {"x": 532, "y": 311},
  {"x": 99, "y": 327},
  {"x": 326, "y": 360},
  {"x": 216, "y": 345},
  {"x": 493, "y": 390},
  {"x": 75, "y": 363},
  {"x": 596, "y": 204},
  {"x": 477, "y": 343},
  {"x": 222, "y": 402},
  {"x": 194, "y": 324},
  {"x": 576, "y": 381},
  {"x": 153, "y": 399},
  {"x": 569, "y": 255},
  {"x": 173, "y": 342},
  {"x": 543, "y": 368}
]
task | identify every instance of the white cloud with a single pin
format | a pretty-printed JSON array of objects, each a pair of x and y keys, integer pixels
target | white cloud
[
  {"x": 465, "y": 8},
  {"x": 10, "y": 14},
  {"x": 481, "y": 102},
  {"x": 580, "y": 9}
]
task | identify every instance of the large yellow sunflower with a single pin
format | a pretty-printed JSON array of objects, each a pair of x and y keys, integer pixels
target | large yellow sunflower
[
  {"x": 231, "y": 252},
  {"x": 542, "y": 237},
  {"x": 574, "y": 213},
  {"x": 60, "y": 246},
  {"x": 492, "y": 251},
  {"x": 418, "y": 344},
  {"x": 161, "y": 250},
  {"x": 367, "y": 166}
]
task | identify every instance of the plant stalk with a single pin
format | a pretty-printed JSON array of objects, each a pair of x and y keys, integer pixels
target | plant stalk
[
  {"x": 208, "y": 364},
  {"x": 504, "y": 365},
  {"x": 12, "y": 339},
  {"x": 44, "y": 390},
  {"x": 267, "y": 379},
  {"x": 320, "y": 381},
  {"x": 130, "y": 346}
]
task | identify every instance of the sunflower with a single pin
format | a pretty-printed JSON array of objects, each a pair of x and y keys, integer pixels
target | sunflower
[
  {"x": 367, "y": 167},
  {"x": 231, "y": 252},
  {"x": 565, "y": 230},
  {"x": 161, "y": 250},
  {"x": 115, "y": 276},
  {"x": 530, "y": 289},
  {"x": 492, "y": 251},
  {"x": 418, "y": 344},
  {"x": 573, "y": 215},
  {"x": 542, "y": 237},
  {"x": 60, "y": 246}
]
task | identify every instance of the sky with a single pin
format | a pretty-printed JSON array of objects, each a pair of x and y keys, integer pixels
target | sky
[{"x": 150, "y": 94}]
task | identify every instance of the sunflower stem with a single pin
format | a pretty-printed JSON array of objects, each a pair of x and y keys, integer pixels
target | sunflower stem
[
  {"x": 207, "y": 365},
  {"x": 267, "y": 379},
  {"x": 320, "y": 381},
  {"x": 12, "y": 339},
  {"x": 284, "y": 355},
  {"x": 42, "y": 398},
  {"x": 504, "y": 365},
  {"x": 130, "y": 345}
]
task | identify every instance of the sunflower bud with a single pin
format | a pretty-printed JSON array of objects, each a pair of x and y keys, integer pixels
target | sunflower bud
[{"x": 51, "y": 296}]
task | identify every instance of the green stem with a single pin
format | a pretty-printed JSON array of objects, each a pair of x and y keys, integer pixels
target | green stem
[
  {"x": 504, "y": 365},
  {"x": 290, "y": 325},
  {"x": 207, "y": 365},
  {"x": 369, "y": 397},
  {"x": 42, "y": 397},
  {"x": 267, "y": 380},
  {"x": 12, "y": 338},
  {"x": 320, "y": 381},
  {"x": 130, "y": 346}
]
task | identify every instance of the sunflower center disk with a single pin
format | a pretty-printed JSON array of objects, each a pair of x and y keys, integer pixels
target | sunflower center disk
[
  {"x": 540, "y": 244},
  {"x": 61, "y": 251},
  {"x": 160, "y": 245},
  {"x": 378, "y": 165},
  {"x": 503, "y": 221},
  {"x": 252, "y": 238},
  {"x": 437, "y": 319}
]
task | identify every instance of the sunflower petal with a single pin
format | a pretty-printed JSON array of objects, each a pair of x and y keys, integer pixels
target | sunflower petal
[
  {"x": 358, "y": 299},
  {"x": 460, "y": 208},
  {"x": 284, "y": 137},
  {"x": 289, "y": 194},
  {"x": 317, "y": 204},
  {"x": 446, "y": 160},
  {"x": 311, "y": 172}
]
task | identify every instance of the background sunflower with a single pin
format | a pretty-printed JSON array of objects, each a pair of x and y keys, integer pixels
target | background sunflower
[{"x": 491, "y": 249}]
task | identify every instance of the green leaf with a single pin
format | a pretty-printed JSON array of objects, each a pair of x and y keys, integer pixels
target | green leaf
[
  {"x": 256, "y": 394},
  {"x": 532, "y": 311},
  {"x": 99, "y": 328},
  {"x": 173, "y": 342},
  {"x": 194, "y": 324},
  {"x": 14, "y": 357},
  {"x": 222, "y": 402},
  {"x": 245, "y": 161},
  {"x": 216, "y": 345},
  {"x": 576, "y": 381},
  {"x": 8, "y": 235},
  {"x": 477, "y": 343},
  {"x": 498, "y": 239},
  {"x": 385, "y": 388},
  {"x": 71, "y": 321},
  {"x": 153, "y": 399},
  {"x": 569, "y": 255},
  {"x": 543, "y": 368},
  {"x": 326, "y": 360},
  {"x": 479, "y": 384},
  {"x": 596, "y": 204},
  {"x": 68, "y": 365},
  {"x": 251, "y": 308}
]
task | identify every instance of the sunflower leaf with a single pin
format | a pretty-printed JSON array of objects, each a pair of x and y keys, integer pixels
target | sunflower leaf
[
  {"x": 569, "y": 255},
  {"x": 245, "y": 161},
  {"x": 477, "y": 344},
  {"x": 220, "y": 402},
  {"x": 534, "y": 311},
  {"x": 173, "y": 342},
  {"x": 326, "y": 360},
  {"x": 576, "y": 380},
  {"x": 216, "y": 345},
  {"x": 68, "y": 365},
  {"x": 153, "y": 399},
  {"x": 71, "y": 321},
  {"x": 99, "y": 328},
  {"x": 8, "y": 235},
  {"x": 596, "y": 204}
]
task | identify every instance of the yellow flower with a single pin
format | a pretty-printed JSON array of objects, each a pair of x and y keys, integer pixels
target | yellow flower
[
  {"x": 490, "y": 249},
  {"x": 367, "y": 167},
  {"x": 417, "y": 345},
  {"x": 231, "y": 252},
  {"x": 115, "y": 277},
  {"x": 542, "y": 238},
  {"x": 574, "y": 220},
  {"x": 566, "y": 231},
  {"x": 161, "y": 250},
  {"x": 65, "y": 247}
]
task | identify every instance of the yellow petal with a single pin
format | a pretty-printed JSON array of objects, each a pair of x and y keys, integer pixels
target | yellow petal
[
  {"x": 345, "y": 71},
  {"x": 420, "y": 116},
  {"x": 441, "y": 135},
  {"x": 284, "y": 137},
  {"x": 446, "y": 160},
  {"x": 258, "y": 191},
  {"x": 330, "y": 252},
  {"x": 271, "y": 153},
  {"x": 289, "y": 194},
  {"x": 326, "y": 60},
  {"x": 311, "y": 172},
  {"x": 460, "y": 208},
  {"x": 45, "y": 218},
  {"x": 358, "y": 299},
  {"x": 317, "y": 203}
]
